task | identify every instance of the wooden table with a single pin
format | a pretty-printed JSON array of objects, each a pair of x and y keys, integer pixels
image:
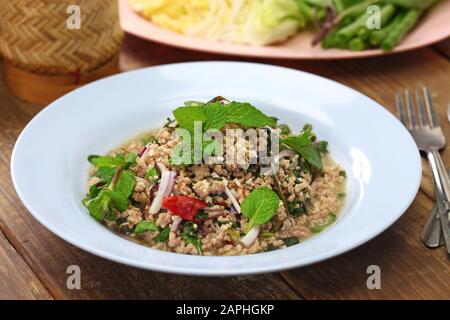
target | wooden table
[{"x": 33, "y": 261}]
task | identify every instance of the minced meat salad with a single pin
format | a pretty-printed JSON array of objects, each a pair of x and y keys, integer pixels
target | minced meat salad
[{"x": 217, "y": 208}]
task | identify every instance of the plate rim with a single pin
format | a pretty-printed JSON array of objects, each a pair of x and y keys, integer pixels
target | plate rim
[{"x": 210, "y": 272}]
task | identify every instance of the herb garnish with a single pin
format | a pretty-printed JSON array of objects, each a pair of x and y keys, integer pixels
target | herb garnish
[
  {"x": 214, "y": 115},
  {"x": 189, "y": 235},
  {"x": 331, "y": 219},
  {"x": 290, "y": 241},
  {"x": 145, "y": 226},
  {"x": 113, "y": 196},
  {"x": 163, "y": 235},
  {"x": 107, "y": 165},
  {"x": 303, "y": 145},
  {"x": 260, "y": 206},
  {"x": 152, "y": 174}
]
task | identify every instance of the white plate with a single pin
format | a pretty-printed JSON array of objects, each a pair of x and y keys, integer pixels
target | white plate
[{"x": 49, "y": 166}]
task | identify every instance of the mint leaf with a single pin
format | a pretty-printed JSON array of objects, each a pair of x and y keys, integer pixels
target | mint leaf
[
  {"x": 303, "y": 145},
  {"x": 107, "y": 165},
  {"x": 106, "y": 161},
  {"x": 99, "y": 207},
  {"x": 113, "y": 196},
  {"x": 130, "y": 160},
  {"x": 260, "y": 206},
  {"x": 331, "y": 219},
  {"x": 125, "y": 184},
  {"x": 95, "y": 189},
  {"x": 214, "y": 115},
  {"x": 106, "y": 173},
  {"x": 163, "y": 236},
  {"x": 245, "y": 114},
  {"x": 186, "y": 116},
  {"x": 145, "y": 226}
]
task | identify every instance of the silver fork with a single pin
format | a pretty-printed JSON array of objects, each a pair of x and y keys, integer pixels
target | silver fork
[{"x": 424, "y": 128}]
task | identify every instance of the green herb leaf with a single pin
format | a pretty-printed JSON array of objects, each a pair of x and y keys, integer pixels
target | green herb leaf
[
  {"x": 331, "y": 219},
  {"x": 152, "y": 174},
  {"x": 99, "y": 206},
  {"x": 321, "y": 147},
  {"x": 202, "y": 215},
  {"x": 260, "y": 206},
  {"x": 294, "y": 210},
  {"x": 130, "y": 160},
  {"x": 245, "y": 114},
  {"x": 112, "y": 197},
  {"x": 214, "y": 115},
  {"x": 186, "y": 116},
  {"x": 270, "y": 247},
  {"x": 125, "y": 184},
  {"x": 189, "y": 234},
  {"x": 163, "y": 235},
  {"x": 290, "y": 241},
  {"x": 303, "y": 145},
  {"x": 106, "y": 161},
  {"x": 145, "y": 226},
  {"x": 192, "y": 239},
  {"x": 95, "y": 189},
  {"x": 107, "y": 165},
  {"x": 267, "y": 234},
  {"x": 284, "y": 129},
  {"x": 106, "y": 173}
]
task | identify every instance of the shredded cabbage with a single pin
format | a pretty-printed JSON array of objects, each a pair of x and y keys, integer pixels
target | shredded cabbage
[{"x": 254, "y": 22}]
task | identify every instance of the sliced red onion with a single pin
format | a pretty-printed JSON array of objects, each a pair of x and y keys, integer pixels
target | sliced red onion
[
  {"x": 161, "y": 167},
  {"x": 233, "y": 199},
  {"x": 164, "y": 184},
  {"x": 151, "y": 192},
  {"x": 173, "y": 176},
  {"x": 251, "y": 236},
  {"x": 232, "y": 211},
  {"x": 176, "y": 223},
  {"x": 143, "y": 151}
]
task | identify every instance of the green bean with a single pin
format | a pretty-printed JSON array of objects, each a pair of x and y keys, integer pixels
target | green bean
[
  {"x": 352, "y": 29},
  {"x": 376, "y": 36},
  {"x": 357, "y": 44},
  {"x": 306, "y": 11},
  {"x": 399, "y": 32},
  {"x": 361, "y": 23},
  {"x": 412, "y": 4},
  {"x": 331, "y": 40}
]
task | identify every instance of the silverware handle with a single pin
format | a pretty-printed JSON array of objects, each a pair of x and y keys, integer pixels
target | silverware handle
[
  {"x": 440, "y": 176},
  {"x": 442, "y": 192}
]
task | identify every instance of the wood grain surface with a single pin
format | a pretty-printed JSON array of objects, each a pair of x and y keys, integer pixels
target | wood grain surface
[{"x": 37, "y": 260}]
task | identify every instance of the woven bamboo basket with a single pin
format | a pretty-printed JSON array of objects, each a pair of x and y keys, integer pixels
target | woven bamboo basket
[{"x": 44, "y": 58}]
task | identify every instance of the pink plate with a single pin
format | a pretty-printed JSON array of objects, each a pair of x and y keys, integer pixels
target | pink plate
[{"x": 435, "y": 26}]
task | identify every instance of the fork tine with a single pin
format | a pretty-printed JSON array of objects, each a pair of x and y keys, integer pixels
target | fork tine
[
  {"x": 410, "y": 110},
  {"x": 421, "y": 111},
  {"x": 400, "y": 109},
  {"x": 430, "y": 108}
]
